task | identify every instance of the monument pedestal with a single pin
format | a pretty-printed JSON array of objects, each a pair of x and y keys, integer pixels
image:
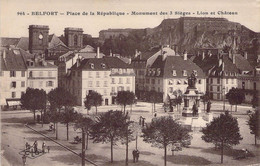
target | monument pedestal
[{"x": 191, "y": 102}]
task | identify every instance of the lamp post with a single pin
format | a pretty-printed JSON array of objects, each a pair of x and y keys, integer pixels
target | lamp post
[{"x": 223, "y": 96}]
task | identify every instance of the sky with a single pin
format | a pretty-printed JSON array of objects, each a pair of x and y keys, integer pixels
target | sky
[{"x": 13, "y": 24}]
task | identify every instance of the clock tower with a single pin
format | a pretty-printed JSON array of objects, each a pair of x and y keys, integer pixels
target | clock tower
[{"x": 38, "y": 38}]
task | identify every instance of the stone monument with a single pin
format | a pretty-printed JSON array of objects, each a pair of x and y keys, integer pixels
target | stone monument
[{"x": 191, "y": 98}]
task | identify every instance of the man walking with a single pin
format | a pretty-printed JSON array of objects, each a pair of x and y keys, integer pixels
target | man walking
[
  {"x": 134, "y": 155},
  {"x": 137, "y": 155}
]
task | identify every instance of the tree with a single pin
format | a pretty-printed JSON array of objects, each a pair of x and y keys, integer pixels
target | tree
[
  {"x": 125, "y": 98},
  {"x": 59, "y": 98},
  {"x": 85, "y": 124},
  {"x": 164, "y": 131},
  {"x": 205, "y": 98},
  {"x": 68, "y": 116},
  {"x": 109, "y": 127},
  {"x": 154, "y": 97},
  {"x": 178, "y": 98},
  {"x": 254, "y": 124},
  {"x": 235, "y": 96},
  {"x": 34, "y": 99},
  {"x": 54, "y": 117},
  {"x": 93, "y": 99},
  {"x": 222, "y": 131},
  {"x": 255, "y": 102}
]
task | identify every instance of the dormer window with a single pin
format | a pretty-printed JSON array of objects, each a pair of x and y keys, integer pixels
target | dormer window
[
  {"x": 178, "y": 82},
  {"x": 185, "y": 82},
  {"x": 91, "y": 65},
  {"x": 154, "y": 72},
  {"x": 195, "y": 72},
  {"x": 170, "y": 82},
  {"x": 103, "y": 65},
  {"x": 120, "y": 71},
  {"x": 184, "y": 73},
  {"x": 158, "y": 72},
  {"x": 174, "y": 73}
]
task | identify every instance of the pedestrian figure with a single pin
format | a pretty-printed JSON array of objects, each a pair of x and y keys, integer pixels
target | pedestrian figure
[
  {"x": 24, "y": 160},
  {"x": 27, "y": 146},
  {"x": 140, "y": 120},
  {"x": 32, "y": 151},
  {"x": 48, "y": 148},
  {"x": 134, "y": 155},
  {"x": 137, "y": 155},
  {"x": 35, "y": 145},
  {"x": 155, "y": 115},
  {"x": 143, "y": 122},
  {"x": 43, "y": 147}
]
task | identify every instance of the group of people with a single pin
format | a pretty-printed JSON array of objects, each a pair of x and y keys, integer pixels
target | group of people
[
  {"x": 34, "y": 147},
  {"x": 135, "y": 155}
]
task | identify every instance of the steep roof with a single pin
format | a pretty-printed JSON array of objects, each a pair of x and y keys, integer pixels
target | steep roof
[
  {"x": 104, "y": 63},
  {"x": 54, "y": 41},
  {"x": 176, "y": 63},
  {"x": 23, "y": 43},
  {"x": 13, "y": 60},
  {"x": 115, "y": 62},
  {"x": 6, "y": 41}
]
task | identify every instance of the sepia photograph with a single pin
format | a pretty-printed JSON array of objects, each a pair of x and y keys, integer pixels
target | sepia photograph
[{"x": 129, "y": 82}]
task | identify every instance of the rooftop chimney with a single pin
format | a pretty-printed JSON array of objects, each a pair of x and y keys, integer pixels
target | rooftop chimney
[
  {"x": 203, "y": 55},
  {"x": 185, "y": 55},
  {"x": 4, "y": 54},
  {"x": 233, "y": 58},
  {"x": 245, "y": 55},
  {"x": 98, "y": 56},
  {"x": 78, "y": 62},
  {"x": 110, "y": 53},
  {"x": 220, "y": 61}
]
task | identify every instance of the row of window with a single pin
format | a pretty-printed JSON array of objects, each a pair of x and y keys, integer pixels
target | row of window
[
  {"x": 13, "y": 94},
  {"x": 90, "y": 74},
  {"x": 14, "y": 84},
  {"x": 90, "y": 84},
  {"x": 120, "y": 81},
  {"x": 41, "y": 84},
  {"x": 39, "y": 74},
  {"x": 120, "y": 88},
  {"x": 228, "y": 81},
  {"x": 13, "y": 74}
]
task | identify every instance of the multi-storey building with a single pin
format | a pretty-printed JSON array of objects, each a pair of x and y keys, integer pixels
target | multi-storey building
[
  {"x": 168, "y": 72},
  {"x": 41, "y": 74},
  {"x": 13, "y": 77},
  {"x": 106, "y": 75},
  {"x": 222, "y": 70}
]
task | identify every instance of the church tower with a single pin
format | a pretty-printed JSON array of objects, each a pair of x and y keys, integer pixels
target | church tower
[
  {"x": 38, "y": 38},
  {"x": 74, "y": 37}
]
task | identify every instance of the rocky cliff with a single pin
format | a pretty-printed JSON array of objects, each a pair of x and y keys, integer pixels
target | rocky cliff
[{"x": 188, "y": 33}]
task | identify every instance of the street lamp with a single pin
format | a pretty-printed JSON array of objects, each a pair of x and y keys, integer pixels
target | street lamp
[{"x": 223, "y": 91}]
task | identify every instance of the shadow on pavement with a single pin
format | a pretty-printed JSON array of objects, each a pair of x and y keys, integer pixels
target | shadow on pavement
[
  {"x": 130, "y": 163},
  {"x": 17, "y": 120},
  {"x": 61, "y": 148},
  {"x": 146, "y": 153},
  {"x": 68, "y": 159},
  {"x": 187, "y": 160},
  {"x": 227, "y": 152}
]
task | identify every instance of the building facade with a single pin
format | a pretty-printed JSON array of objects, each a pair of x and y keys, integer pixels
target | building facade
[{"x": 106, "y": 75}]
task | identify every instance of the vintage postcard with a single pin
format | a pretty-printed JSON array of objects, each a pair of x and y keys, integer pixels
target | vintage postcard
[{"x": 129, "y": 82}]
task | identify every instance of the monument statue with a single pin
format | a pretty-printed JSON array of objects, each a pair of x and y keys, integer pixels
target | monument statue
[{"x": 192, "y": 81}]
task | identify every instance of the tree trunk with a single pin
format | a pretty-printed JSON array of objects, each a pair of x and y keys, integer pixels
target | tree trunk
[
  {"x": 236, "y": 107},
  {"x": 165, "y": 153},
  {"x": 34, "y": 115},
  {"x": 222, "y": 150},
  {"x": 54, "y": 127},
  {"x": 231, "y": 109},
  {"x": 111, "y": 150},
  {"x": 124, "y": 108},
  {"x": 126, "y": 157},
  {"x": 83, "y": 148},
  {"x": 57, "y": 131},
  {"x": 154, "y": 108},
  {"x": 255, "y": 140},
  {"x": 67, "y": 131},
  {"x": 204, "y": 107},
  {"x": 136, "y": 137},
  {"x": 87, "y": 142},
  {"x": 41, "y": 118},
  {"x": 96, "y": 110}
]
